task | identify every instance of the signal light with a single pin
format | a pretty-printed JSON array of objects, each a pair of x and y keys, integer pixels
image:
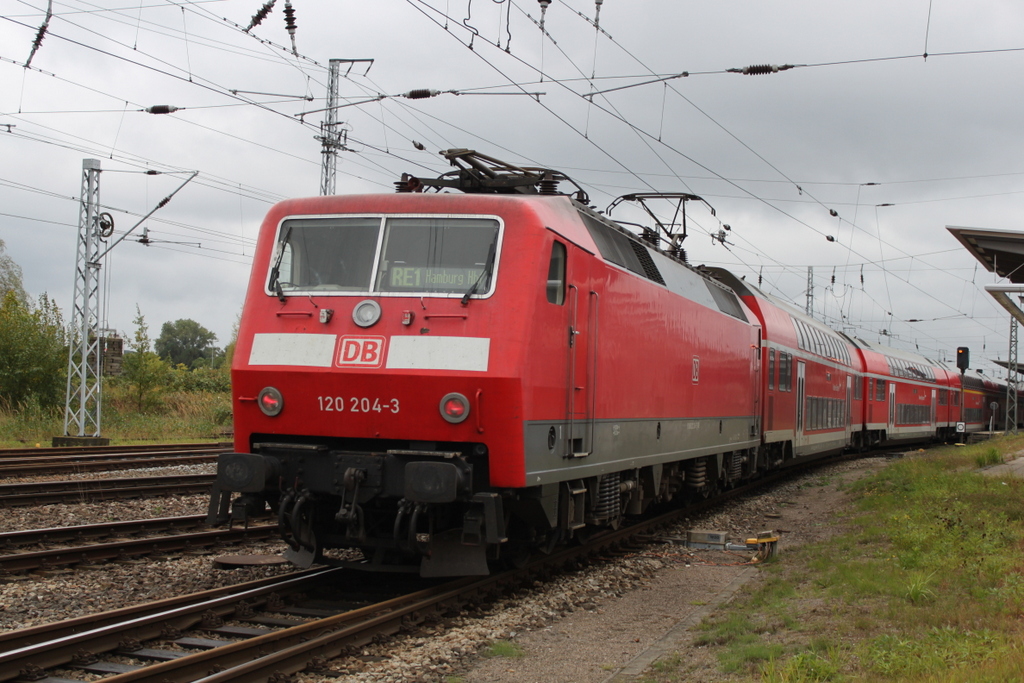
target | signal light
[
  {"x": 454, "y": 408},
  {"x": 963, "y": 358},
  {"x": 270, "y": 401}
]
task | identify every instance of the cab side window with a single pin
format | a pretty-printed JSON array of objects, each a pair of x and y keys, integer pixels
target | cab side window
[{"x": 556, "y": 274}]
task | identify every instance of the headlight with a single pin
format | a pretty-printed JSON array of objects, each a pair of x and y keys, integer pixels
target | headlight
[
  {"x": 366, "y": 313},
  {"x": 454, "y": 408},
  {"x": 270, "y": 401}
]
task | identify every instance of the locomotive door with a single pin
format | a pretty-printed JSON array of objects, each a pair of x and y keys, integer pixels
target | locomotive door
[{"x": 581, "y": 382}]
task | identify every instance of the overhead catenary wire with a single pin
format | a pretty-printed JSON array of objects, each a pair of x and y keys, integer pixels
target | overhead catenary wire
[{"x": 385, "y": 151}]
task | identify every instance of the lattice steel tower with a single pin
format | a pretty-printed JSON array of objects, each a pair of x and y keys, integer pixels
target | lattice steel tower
[
  {"x": 84, "y": 388},
  {"x": 330, "y": 134},
  {"x": 1012, "y": 380},
  {"x": 810, "y": 292}
]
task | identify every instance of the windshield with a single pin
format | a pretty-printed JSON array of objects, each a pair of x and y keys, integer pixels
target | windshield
[
  {"x": 407, "y": 255},
  {"x": 436, "y": 254}
]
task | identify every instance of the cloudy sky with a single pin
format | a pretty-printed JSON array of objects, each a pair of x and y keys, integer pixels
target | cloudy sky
[{"x": 864, "y": 140}]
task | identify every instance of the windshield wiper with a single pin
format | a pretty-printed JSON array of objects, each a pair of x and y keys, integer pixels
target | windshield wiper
[
  {"x": 275, "y": 272},
  {"x": 484, "y": 273}
]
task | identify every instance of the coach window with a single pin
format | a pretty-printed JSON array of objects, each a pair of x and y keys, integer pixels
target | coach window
[
  {"x": 771, "y": 368},
  {"x": 556, "y": 274},
  {"x": 785, "y": 370},
  {"x": 880, "y": 387}
]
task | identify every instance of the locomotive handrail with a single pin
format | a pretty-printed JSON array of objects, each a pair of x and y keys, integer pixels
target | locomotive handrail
[{"x": 479, "y": 411}]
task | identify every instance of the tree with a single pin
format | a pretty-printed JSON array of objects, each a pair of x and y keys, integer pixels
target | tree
[
  {"x": 142, "y": 370},
  {"x": 10, "y": 277},
  {"x": 186, "y": 341},
  {"x": 33, "y": 352}
]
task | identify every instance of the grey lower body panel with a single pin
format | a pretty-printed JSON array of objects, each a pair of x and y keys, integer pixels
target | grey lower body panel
[{"x": 615, "y": 445}]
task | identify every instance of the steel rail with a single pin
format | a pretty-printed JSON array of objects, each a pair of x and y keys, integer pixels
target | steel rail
[
  {"x": 244, "y": 660},
  {"x": 132, "y": 548},
  {"x": 80, "y": 626},
  {"x": 47, "y": 647},
  {"x": 92, "y": 490},
  {"x": 70, "y": 464},
  {"x": 111, "y": 450},
  {"x": 83, "y": 532}
]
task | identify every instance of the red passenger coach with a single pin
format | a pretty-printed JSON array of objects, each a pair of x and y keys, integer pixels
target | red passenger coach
[
  {"x": 811, "y": 383},
  {"x": 443, "y": 380}
]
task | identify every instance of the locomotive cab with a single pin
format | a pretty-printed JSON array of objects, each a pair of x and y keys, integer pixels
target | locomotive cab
[{"x": 341, "y": 415}]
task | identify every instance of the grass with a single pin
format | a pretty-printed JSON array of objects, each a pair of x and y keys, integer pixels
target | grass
[
  {"x": 181, "y": 416},
  {"x": 927, "y": 584},
  {"x": 504, "y": 648}
]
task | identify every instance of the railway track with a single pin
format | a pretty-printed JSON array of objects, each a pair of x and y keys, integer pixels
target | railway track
[
  {"x": 304, "y": 601},
  {"x": 33, "y": 462},
  {"x": 92, "y": 543},
  {"x": 258, "y": 637},
  {"x": 93, "y": 490},
  {"x": 253, "y": 641}
]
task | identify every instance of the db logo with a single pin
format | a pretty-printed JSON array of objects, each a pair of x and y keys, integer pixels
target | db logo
[{"x": 363, "y": 352}]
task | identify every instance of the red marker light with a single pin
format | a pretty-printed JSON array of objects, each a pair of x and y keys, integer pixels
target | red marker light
[
  {"x": 270, "y": 401},
  {"x": 454, "y": 408}
]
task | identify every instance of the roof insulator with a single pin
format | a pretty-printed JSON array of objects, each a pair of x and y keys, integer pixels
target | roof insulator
[{"x": 289, "y": 23}]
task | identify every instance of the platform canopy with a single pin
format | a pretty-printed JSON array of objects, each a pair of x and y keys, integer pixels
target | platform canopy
[
  {"x": 1006, "y": 364},
  {"x": 1002, "y": 253}
]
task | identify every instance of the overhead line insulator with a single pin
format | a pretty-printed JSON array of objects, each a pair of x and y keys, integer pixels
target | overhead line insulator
[
  {"x": 421, "y": 94},
  {"x": 758, "y": 69},
  {"x": 258, "y": 18}
]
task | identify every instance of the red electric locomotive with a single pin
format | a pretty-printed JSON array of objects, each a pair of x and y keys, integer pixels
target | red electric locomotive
[{"x": 441, "y": 380}]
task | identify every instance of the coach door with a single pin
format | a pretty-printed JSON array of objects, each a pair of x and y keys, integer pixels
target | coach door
[
  {"x": 849, "y": 408},
  {"x": 581, "y": 383},
  {"x": 800, "y": 392},
  {"x": 892, "y": 409}
]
